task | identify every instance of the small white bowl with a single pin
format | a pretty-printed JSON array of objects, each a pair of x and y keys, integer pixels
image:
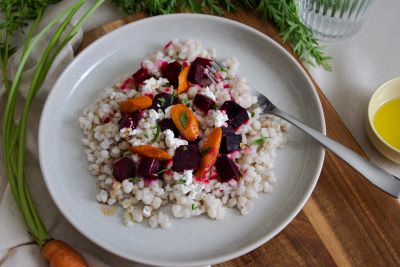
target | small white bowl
[{"x": 387, "y": 91}]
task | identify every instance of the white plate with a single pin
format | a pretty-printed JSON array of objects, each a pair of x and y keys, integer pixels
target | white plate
[{"x": 196, "y": 241}]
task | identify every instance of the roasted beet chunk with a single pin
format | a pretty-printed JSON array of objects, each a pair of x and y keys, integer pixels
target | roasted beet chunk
[
  {"x": 230, "y": 143},
  {"x": 129, "y": 120},
  {"x": 237, "y": 114},
  {"x": 196, "y": 71},
  {"x": 168, "y": 124},
  {"x": 171, "y": 72},
  {"x": 205, "y": 82},
  {"x": 227, "y": 169},
  {"x": 204, "y": 103},
  {"x": 140, "y": 76},
  {"x": 124, "y": 168},
  {"x": 227, "y": 131},
  {"x": 148, "y": 168},
  {"x": 186, "y": 157},
  {"x": 162, "y": 101}
]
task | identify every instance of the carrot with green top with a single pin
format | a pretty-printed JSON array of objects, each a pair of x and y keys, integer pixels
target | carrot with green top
[{"x": 58, "y": 253}]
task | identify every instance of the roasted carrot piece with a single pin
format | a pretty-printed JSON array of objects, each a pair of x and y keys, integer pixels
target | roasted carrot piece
[
  {"x": 60, "y": 254},
  {"x": 182, "y": 78},
  {"x": 210, "y": 152},
  {"x": 186, "y": 122},
  {"x": 151, "y": 152},
  {"x": 135, "y": 104}
]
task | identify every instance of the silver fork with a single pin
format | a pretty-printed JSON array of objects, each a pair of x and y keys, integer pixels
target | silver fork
[{"x": 377, "y": 176}]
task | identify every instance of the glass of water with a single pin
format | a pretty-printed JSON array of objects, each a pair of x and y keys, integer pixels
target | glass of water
[{"x": 333, "y": 19}]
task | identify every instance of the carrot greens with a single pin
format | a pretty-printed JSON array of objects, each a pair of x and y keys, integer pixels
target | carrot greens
[{"x": 17, "y": 13}]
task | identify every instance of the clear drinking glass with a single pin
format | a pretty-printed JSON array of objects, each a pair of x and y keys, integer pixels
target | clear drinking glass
[{"x": 333, "y": 19}]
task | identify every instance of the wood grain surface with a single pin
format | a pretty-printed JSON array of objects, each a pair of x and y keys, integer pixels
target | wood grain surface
[{"x": 346, "y": 221}]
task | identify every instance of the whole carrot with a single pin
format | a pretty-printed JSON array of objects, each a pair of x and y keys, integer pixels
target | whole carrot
[
  {"x": 14, "y": 125},
  {"x": 60, "y": 254}
]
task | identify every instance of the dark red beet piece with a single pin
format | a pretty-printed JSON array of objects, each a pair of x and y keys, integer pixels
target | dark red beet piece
[
  {"x": 202, "y": 61},
  {"x": 230, "y": 143},
  {"x": 168, "y": 124},
  {"x": 196, "y": 71},
  {"x": 127, "y": 84},
  {"x": 204, "y": 103},
  {"x": 124, "y": 168},
  {"x": 140, "y": 75},
  {"x": 162, "y": 101},
  {"x": 227, "y": 169},
  {"x": 171, "y": 72},
  {"x": 129, "y": 120},
  {"x": 187, "y": 157},
  {"x": 237, "y": 114},
  {"x": 205, "y": 82},
  {"x": 148, "y": 168},
  {"x": 227, "y": 131}
]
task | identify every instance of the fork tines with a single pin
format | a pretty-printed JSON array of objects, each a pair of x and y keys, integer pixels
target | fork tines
[{"x": 213, "y": 69}]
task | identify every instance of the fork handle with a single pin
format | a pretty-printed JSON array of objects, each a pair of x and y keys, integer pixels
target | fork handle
[{"x": 379, "y": 177}]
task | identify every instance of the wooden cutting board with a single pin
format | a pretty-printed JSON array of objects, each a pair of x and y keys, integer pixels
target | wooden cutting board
[{"x": 346, "y": 221}]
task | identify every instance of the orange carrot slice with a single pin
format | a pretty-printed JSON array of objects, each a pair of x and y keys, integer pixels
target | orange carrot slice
[
  {"x": 59, "y": 254},
  {"x": 210, "y": 152},
  {"x": 151, "y": 152},
  {"x": 135, "y": 104},
  {"x": 186, "y": 122},
  {"x": 182, "y": 78}
]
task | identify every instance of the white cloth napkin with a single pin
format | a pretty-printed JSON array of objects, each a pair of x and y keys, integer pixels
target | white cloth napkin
[{"x": 16, "y": 246}]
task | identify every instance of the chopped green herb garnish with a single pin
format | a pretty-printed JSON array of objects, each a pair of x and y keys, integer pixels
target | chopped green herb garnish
[
  {"x": 161, "y": 100},
  {"x": 205, "y": 151},
  {"x": 260, "y": 141},
  {"x": 186, "y": 102},
  {"x": 194, "y": 207},
  {"x": 163, "y": 170},
  {"x": 252, "y": 114},
  {"x": 156, "y": 135},
  {"x": 183, "y": 119},
  {"x": 224, "y": 69},
  {"x": 146, "y": 135},
  {"x": 136, "y": 179},
  {"x": 181, "y": 181},
  {"x": 174, "y": 94}
]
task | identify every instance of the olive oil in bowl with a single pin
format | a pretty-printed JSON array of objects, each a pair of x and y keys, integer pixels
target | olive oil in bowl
[{"x": 387, "y": 122}]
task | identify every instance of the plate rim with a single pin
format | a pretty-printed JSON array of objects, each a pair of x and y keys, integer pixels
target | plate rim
[{"x": 216, "y": 259}]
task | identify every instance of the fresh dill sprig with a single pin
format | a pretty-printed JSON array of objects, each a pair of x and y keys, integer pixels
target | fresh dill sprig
[{"x": 282, "y": 12}]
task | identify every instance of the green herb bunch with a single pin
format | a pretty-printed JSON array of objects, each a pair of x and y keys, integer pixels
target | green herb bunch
[{"x": 282, "y": 12}]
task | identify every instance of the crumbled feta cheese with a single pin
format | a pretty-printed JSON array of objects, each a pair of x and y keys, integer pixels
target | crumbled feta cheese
[
  {"x": 150, "y": 85},
  {"x": 153, "y": 114},
  {"x": 184, "y": 182},
  {"x": 218, "y": 117},
  {"x": 187, "y": 176},
  {"x": 207, "y": 92},
  {"x": 172, "y": 142}
]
